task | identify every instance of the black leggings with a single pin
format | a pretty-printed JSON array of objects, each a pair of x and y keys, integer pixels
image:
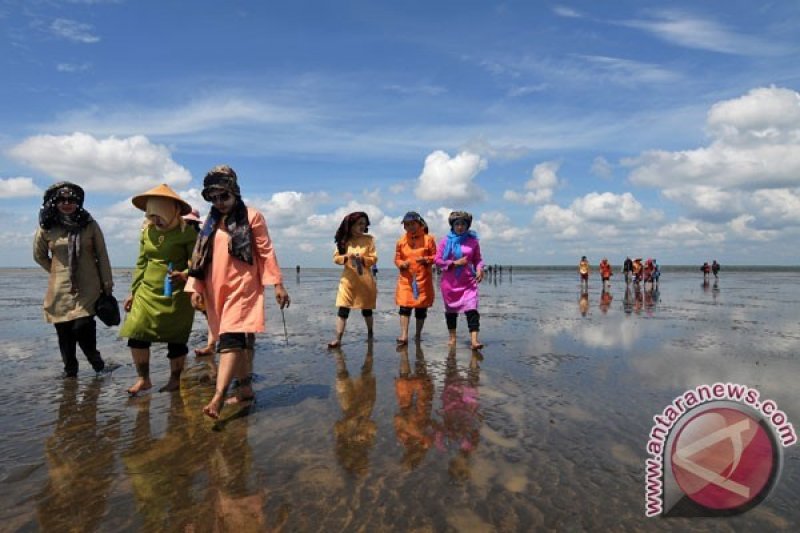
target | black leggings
[
  {"x": 344, "y": 312},
  {"x": 420, "y": 313},
  {"x": 83, "y": 332},
  {"x": 174, "y": 349},
  {"x": 473, "y": 320}
]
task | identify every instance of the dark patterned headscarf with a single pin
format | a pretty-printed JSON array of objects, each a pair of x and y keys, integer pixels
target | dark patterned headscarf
[
  {"x": 50, "y": 217},
  {"x": 343, "y": 233},
  {"x": 460, "y": 215},
  {"x": 413, "y": 216},
  {"x": 222, "y": 178}
]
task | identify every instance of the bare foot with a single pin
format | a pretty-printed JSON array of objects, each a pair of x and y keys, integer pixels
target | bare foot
[
  {"x": 140, "y": 387},
  {"x": 240, "y": 399},
  {"x": 477, "y": 346},
  {"x": 402, "y": 342},
  {"x": 335, "y": 343},
  {"x": 451, "y": 342},
  {"x": 200, "y": 352},
  {"x": 369, "y": 334},
  {"x": 172, "y": 385},
  {"x": 214, "y": 406}
]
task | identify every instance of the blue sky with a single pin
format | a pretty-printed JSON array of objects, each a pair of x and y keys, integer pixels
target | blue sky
[{"x": 642, "y": 128}]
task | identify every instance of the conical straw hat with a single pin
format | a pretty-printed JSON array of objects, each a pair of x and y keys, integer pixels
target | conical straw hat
[{"x": 163, "y": 190}]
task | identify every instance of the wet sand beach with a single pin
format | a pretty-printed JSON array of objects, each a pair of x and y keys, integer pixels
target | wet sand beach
[{"x": 545, "y": 429}]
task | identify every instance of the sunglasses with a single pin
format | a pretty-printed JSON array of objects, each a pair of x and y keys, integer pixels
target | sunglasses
[
  {"x": 217, "y": 198},
  {"x": 66, "y": 200}
]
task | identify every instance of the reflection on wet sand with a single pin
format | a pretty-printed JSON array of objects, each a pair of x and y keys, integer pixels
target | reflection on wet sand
[
  {"x": 355, "y": 431},
  {"x": 461, "y": 417},
  {"x": 80, "y": 458},
  {"x": 412, "y": 422},
  {"x": 194, "y": 477}
]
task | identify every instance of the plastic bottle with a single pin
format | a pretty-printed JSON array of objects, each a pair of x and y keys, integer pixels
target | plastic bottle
[{"x": 168, "y": 282}]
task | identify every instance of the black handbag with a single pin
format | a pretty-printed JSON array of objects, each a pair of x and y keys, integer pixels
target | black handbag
[{"x": 107, "y": 309}]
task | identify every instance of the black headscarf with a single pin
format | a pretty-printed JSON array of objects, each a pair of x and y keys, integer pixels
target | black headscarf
[
  {"x": 343, "y": 233},
  {"x": 222, "y": 178},
  {"x": 50, "y": 216}
]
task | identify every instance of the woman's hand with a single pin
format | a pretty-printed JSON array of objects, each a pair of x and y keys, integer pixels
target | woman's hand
[
  {"x": 479, "y": 275},
  {"x": 178, "y": 276},
  {"x": 281, "y": 296},
  {"x": 198, "y": 302},
  {"x": 404, "y": 265},
  {"x": 128, "y": 303},
  {"x": 460, "y": 262},
  {"x": 423, "y": 260}
]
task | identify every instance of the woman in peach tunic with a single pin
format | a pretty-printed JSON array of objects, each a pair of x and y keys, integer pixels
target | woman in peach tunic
[
  {"x": 355, "y": 251},
  {"x": 414, "y": 254},
  {"x": 232, "y": 262}
]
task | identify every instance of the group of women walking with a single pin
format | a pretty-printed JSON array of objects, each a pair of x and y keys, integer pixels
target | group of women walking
[
  {"x": 458, "y": 255},
  {"x": 222, "y": 268}
]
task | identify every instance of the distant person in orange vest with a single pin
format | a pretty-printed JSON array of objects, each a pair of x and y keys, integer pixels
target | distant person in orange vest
[{"x": 606, "y": 273}]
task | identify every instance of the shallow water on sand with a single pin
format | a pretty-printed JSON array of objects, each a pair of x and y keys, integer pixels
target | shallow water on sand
[{"x": 545, "y": 430}]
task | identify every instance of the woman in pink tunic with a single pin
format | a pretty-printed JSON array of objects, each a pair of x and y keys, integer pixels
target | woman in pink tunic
[
  {"x": 459, "y": 257},
  {"x": 232, "y": 262}
]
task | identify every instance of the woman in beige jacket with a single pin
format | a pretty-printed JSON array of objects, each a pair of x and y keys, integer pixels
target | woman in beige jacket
[{"x": 70, "y": 247}]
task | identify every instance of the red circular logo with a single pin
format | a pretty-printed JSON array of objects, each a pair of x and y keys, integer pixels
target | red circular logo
[{"x": 723, "y": 459}]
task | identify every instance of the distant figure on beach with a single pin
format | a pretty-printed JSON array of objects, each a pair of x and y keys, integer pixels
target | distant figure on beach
[
  {"x": 647, "y": 273},
  {"x": 70, "y": 247},
  {"x": 459, "y": 257},
  {"x": 715, "y": 267},
  {"x": 627, "y": 269},
  {"x": 159, "y": 310},
  {"x": 636, "y": 270},
  {"x": 232, "y": 263},
  {"x": 414, "y": 391},
  {"x": 583, "y": 271},
  {"x": 605, "y": 273},
  {"x": 656, "y": 274},
  {"x": 706, "y": 270},
  {"x": 414, "y": 254},
  {"x": 355, "y": 251},
  {"x": 297, "y": 269}
]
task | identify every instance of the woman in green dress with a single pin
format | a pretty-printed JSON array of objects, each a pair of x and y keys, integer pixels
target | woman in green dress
[{"x": 158, "y": 308}]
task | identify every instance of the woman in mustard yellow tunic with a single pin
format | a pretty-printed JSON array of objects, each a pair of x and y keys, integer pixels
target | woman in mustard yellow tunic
[
  {"x": 355, "y": 250},
  {"x": 414, "y": 255}
]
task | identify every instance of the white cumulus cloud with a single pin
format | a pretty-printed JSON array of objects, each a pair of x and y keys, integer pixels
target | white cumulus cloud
[
  {"x": 112, "y": 164},
  {"x": 18, "y": 188},
  {"x": 539, "y": 189},
  {"x": 446, "y": 178}
]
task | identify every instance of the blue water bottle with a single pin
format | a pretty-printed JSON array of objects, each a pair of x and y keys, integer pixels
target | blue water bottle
[
  {"x": 168, "y": 282},
  {"x": 415, "y": 287}
]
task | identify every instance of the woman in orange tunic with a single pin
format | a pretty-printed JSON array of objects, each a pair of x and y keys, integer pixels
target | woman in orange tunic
[
  {"x": 413, "y": 256},
  {"x": 233, "y": 261}
]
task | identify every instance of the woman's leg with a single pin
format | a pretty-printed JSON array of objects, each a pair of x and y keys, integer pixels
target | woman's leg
[
  {"x": 86, "y": 335},
  {"x": 67, "y": 345},
  {"x": 176, "y": 352},
  {"x": 405, "y": 318},
  {"x": 228, "y": 364},
  {"x": 474, "y": 325},
  {"x": 244, "y": 372},
  {"x": 367, "y": 314},
  {"x": 451, "y": 319},
  {"x": 341, "y": 322},
  {"x": 420, "y": 314},
  {"x": 140, "y": 352}
]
